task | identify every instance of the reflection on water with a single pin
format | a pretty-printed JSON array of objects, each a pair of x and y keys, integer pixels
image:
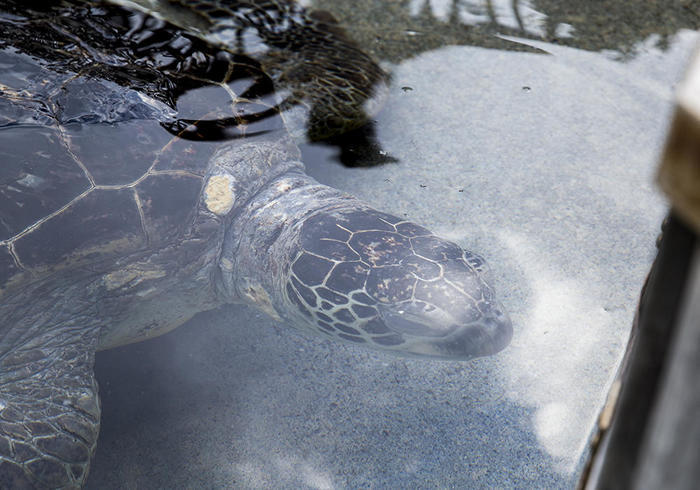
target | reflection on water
[
  {"x": 393, "y": 31},
  {"x": 518, "y": 15}
]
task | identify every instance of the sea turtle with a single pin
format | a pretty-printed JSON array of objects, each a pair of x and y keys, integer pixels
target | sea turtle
[{"x": 115, "y": 226}]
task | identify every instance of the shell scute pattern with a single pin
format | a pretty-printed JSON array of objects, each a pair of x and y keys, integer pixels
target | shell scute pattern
[
  {"x": 165, "y": 203},
  {"x": 184, "y": 157},
  {"x": 101, "y": 223},
  {"x": 41, "y": 188},
  {"x": 94, "y": 146},
  {"x": 72, "y": 187}
]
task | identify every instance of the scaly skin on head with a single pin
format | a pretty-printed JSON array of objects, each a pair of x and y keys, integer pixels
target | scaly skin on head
[{"x": 332, "y": 265}]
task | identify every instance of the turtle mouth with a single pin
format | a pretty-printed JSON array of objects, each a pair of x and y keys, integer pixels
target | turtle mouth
[
  {"x": 490, "y": 335},
  {"x": 430, "y": 332},
  {"x": 417, "y": 319}
]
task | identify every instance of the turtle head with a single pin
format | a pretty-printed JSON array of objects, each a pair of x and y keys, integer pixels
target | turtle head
[
  {"x": 328, "y": 263},
  {"x": 373, "y": 279}
]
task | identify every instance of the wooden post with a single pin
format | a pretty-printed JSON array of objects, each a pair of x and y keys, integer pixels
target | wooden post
[{"x": 649, "y": 431}]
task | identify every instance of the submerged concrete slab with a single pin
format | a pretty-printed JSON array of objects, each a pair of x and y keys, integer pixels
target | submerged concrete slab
[{"x": 544, "y": 164}]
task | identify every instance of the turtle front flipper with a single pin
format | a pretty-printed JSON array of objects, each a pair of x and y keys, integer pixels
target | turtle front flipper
[{"x": 49, "y": 407}]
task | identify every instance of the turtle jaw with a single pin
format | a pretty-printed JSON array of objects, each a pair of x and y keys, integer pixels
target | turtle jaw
[
  {"x": 413, "y": 328},
  {"x": 461, "y": 342}
]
